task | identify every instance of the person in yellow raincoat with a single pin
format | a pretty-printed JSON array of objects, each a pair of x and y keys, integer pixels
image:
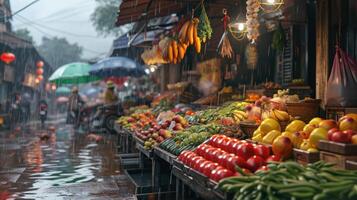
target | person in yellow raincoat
[{"x": 110, "y": 97}]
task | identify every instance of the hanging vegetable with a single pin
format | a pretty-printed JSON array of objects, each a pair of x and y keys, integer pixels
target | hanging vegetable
[
  {"x": 153, "y": 56},
  {"x": 204, "y": 26},
  {"x": 251, "y": 54},
  {"x": 252, "y": 20},
  {"x": 226, "y": 47}
]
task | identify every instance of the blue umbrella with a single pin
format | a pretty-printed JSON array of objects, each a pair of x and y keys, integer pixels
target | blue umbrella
[{"x": 117, "y": 67}]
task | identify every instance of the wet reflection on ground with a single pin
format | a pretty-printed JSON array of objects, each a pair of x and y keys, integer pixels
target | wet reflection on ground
[{"x": 37, "y": 164}]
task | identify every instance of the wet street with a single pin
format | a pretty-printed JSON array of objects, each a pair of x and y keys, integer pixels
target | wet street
[{"x": 38, "y": 164}]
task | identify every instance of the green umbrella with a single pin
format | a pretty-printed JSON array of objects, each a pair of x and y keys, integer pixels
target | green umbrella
[
  {"x": 63, "y": 91},
  {"x": 73, "y": 73}
]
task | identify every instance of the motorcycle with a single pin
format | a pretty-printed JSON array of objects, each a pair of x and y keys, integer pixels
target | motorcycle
[
  {"x": 106, "y": 116},
  {"x": 43, "y": 114}
]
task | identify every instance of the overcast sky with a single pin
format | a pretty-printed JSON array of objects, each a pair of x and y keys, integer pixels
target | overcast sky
[{"x": 62, "y": 18}]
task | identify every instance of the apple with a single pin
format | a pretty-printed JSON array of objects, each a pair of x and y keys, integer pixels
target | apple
[
  {"x": 330, "y": 132},
  {"x": 350, "y": 133},
  {"x": 341, "y": 137},
  {"x": 328, "y": 124},
  {"x": 347, "y": 123},
  {"x": 177, "y": 127}
]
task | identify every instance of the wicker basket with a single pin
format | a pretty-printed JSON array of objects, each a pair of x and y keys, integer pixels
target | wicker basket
[
  {"x": 304, "y": 110},
  {"x": 248, "y": 128}
]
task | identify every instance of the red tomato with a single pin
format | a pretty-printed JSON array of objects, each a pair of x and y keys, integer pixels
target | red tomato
[
  {"x": 201, "y": 149},
  {"x": 245, "y": 150},
  {"x": 234, "y": 161},
  {"x": 273, "y": 158},
  {"x": 197, "y": 163},
  {"x": 215, "y": 155},
  {"x": 208, "y": 152},
  {"x": 192, "y": 161},
  {"x": 214, "y": 140},
  {"x": 188, "y": 156},
  {"x": 254, "y": 163},
  {"x": 223, "y": 159},
  {"x": 263, "y": 168},
  {"x": 214, "y": 173},
  {"x": 202, "y": 166},
  {"x": 220, "y": 173},
  {"x": 262, "y": 151},
  {"x": 225, "y": 143},
  {"x": 209, "y": 167}
]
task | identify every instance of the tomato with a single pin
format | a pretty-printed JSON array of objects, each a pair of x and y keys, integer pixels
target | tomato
[
  {"x": 220, "y": 173},
  {"x": 188, "y": 156},
  {"x": 214, "y": 173},
  {"x": 214, "y": 139},
  {"x": 183, "y": 155},
  {"x": 254, "y": 163},
  {"x": 223, "y": 159},
  {"x": 262, "y": 151},
  {"x": 215, "y": 155},
  {"x": 208, "y": 152},
  {"x": 200, "y": 149},
  {"x": 263, "y": 168},
  {"x": 219, "y": 142},
  {"x": 203, "y": 165},
  {"x": 192, "y": 160},
  {"x": 273, "y": 158},
  {"x": 197, "y": 163},
  {"x": 234, "y": 161},
  {"x": 245, "y": 150},
  {"x": 209, "y": 167}
]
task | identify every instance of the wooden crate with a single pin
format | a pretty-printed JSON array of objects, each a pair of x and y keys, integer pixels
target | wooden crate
[
  {"x": 339, "y": 160},
  {"x": 337, "y": 112},
  {"x": 351, "y": 165},
  {"x": 305, "y": 157},
  {"x": 339, "y": 148}
]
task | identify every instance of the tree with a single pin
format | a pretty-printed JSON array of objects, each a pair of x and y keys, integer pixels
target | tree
[
  {"x": 24, "y": 34},
  {"x": 58, "y": 51},
  {"x": 104, "y": 17}
]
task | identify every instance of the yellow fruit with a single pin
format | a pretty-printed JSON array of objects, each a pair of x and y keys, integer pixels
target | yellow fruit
[
  {"x": 354, "y": 139},
  {"x": 287, "y": 134},
  {"x": 270, "y": 137},
  {"x": 257, "y": 138},
  {"x": 353, "y": 115},
  {"x": 175, "y": 49},
  {"x": 170, "y": 53},
  {"x": 315, "y": 121},
  {"x": 347, "y": 123},
  {"x": 305, "y": 145},
  {"x": 189, "y": 36},
  {"x": 198, "y": 45},
  {"x": 317, "y": 135},
  {"x": 181, "y": 51},
  {"x": 328, "y": 124},
  {"x": 183, "y": 31},
  {"x": 295, "y": 126},
  {"x": 308, "y": 128},
  {"x": 256, "y": 132},
  {"x": 296, "y": 139},
  {"x": 269, "y": 124},
  {"x": 312, "y": 150}
]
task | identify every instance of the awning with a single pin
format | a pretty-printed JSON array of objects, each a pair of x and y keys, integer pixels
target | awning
[
  {"x": 14, "y": 41},
  {"x": 155, "y": 26}
]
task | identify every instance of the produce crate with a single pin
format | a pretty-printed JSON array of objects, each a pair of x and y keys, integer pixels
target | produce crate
[
  {"x": 199, "y": 178},
  {"x": 339, "y": 160},
  {"x": 304, "y": 110},
  {"x": 168, "y": 157},
  {"x": 339, "y": 148},
  {"x": 351, "y": 165},
  {"x": 337, "y": 112},
  {"x": 305, "y": 157},
  {"x": 248, "y": 128},
  {"x": 178, "y": 164}
]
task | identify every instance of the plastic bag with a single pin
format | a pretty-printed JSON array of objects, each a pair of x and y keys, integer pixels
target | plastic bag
[{"x": 342, "y": 83}]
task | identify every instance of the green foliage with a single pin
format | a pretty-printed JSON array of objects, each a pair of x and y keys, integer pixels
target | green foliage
[
  {"x": 104, "y": 17},
  {"x": 278, "y": 39},
  {"x": 58, "y": 51},
  {"x": 24, "y": 34}
]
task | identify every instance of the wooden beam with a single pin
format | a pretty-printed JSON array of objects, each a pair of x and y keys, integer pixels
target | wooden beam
[{"x": 322, "y": 49}]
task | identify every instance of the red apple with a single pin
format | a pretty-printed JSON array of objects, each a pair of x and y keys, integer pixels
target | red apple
[
  {"x": 330, "y": 132},
  {"x": 350, "y": 133},
  {"x": 341, "y": 137}
]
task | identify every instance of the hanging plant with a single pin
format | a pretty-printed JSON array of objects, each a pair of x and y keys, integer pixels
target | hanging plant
[
  {"x": 204, "y": 27},
  {"x": 225, "y": 46},
  {"x": 278, "y": 41}
]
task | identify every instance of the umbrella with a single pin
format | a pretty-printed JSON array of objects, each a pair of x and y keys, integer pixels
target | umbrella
[
  {"x": 118, "y": 67},
  {"x": 62, "y": 100},
  {"x": 73, "y": 73},
  {"x": 63, "y": 91}
]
